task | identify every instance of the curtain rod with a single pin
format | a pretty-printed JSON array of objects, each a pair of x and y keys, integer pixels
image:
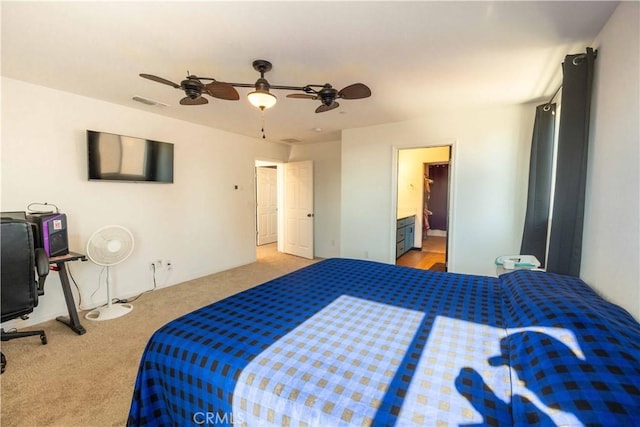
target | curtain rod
[
  {"x": 575, "y": 61},
  {"x": 547, "y": 106}
]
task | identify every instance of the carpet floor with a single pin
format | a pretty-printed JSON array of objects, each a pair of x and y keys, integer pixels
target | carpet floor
[{"x": 87, "y": 380}]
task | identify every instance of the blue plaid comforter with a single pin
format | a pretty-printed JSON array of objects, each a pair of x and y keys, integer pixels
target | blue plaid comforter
[{"x": 349, "y": 342}]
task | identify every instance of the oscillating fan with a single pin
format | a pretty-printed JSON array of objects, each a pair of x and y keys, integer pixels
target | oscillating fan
[{"x": 109, "y": 246}]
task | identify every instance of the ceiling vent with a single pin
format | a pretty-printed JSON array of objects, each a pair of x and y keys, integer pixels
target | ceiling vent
[{"x": 148, "y": 101}]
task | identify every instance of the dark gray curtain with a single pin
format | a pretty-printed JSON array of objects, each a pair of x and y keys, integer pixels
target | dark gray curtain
[
  {"x": 565, "y": 240},
  {"x": 536, "y": 222}
]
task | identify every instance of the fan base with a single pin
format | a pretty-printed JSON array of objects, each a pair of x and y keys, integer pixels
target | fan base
[
  {"x": 109, "y": 312},
  {"x": 262, "y": 66}
]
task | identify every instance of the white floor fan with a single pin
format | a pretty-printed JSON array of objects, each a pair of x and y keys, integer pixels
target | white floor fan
[{"x": 109, "y": 246}]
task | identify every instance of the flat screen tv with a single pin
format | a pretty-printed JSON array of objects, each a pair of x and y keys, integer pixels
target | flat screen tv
[{"x": 124, "y": 158}]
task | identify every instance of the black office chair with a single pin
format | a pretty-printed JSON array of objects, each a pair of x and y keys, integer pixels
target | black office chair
[{"x": 20, "y": 289}]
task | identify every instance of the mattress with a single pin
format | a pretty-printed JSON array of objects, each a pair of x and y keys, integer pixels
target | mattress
[{"x": 351, "y": 342}]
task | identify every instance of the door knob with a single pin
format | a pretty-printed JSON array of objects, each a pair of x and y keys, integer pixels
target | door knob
[{"x": 310, "y": 215}]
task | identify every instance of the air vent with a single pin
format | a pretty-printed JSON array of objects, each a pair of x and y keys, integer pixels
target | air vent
[
  {"x": 148, "y": 101},
  {"x": 291, "y": 140}
]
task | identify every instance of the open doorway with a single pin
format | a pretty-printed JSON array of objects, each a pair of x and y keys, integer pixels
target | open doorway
[
  {"x": 284, "y": 208},
  {"x": 266, "y": 205},
  {"x": 423, "y": 207},
  {"x": 267, "y": 190}
]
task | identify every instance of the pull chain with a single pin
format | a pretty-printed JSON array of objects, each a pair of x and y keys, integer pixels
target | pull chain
[{"x": 262, "y": 120}]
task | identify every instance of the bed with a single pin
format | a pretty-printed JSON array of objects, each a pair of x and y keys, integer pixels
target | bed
[{"x": 349, "y": 342}]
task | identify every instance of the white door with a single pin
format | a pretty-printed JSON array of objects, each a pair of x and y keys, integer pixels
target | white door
[
  {"x": 298, "y": 201},
  {"x": 267, "y": 205}
]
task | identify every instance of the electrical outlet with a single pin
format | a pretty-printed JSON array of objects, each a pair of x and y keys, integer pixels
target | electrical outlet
[
  {"x": 169, "y": 266},
  {"x": 159, "y": 264}
]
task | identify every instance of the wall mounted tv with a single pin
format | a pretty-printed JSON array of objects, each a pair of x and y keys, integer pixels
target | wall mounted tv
[{"x": 124, "y": 158}]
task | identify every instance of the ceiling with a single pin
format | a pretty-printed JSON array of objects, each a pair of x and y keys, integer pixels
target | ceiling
[{"x": 415, "y": 56}]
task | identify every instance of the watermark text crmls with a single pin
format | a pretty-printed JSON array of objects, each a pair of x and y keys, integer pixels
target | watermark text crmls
[{"x": 212, "y": 418}]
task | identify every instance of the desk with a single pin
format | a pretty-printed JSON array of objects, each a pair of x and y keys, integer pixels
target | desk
[{"x": 60, "y": 262}]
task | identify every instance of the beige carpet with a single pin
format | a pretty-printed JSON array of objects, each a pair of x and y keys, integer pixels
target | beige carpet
[{"x": 87, "y": 380}]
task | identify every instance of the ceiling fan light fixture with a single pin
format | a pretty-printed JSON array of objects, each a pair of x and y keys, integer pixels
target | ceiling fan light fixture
[{"x": 262, "y": 99}]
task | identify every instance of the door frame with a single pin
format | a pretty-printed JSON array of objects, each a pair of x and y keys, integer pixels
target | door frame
[{"x": 451, "y": 252}]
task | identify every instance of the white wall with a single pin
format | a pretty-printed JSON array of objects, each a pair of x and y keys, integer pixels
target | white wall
[
  {"x": 490, "y": 168},
  {"x": 326, "y": 171},
  {"x": 200, "y": 223},
  {"x": 611, "y": 241}
]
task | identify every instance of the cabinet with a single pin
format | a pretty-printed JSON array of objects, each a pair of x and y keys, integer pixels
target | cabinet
[{"x": 405, "y": 233}]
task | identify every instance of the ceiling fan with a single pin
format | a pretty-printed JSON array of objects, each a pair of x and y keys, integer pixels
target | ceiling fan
[
  {"x": 328, "y": 95},
  {"x": 261, "y": 97},
  {"x": 194, "y": 88}
]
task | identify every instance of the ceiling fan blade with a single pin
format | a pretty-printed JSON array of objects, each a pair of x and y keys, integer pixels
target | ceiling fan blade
[
  {"x": 193, "y": 101},
  {"x": 302, "y": 96},
  {"x": 355, "y": 91},
  {"x": 221, "y": 90},
  {"x": 323, "y": 108},
  {"x": 160, "y": 80}
]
